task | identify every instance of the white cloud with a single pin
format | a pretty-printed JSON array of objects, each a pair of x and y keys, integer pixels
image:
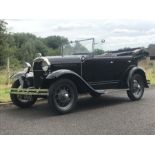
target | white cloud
[
  {"x": 117, "y": 33},
  {"x": 124, "y": 31},
  {"x": 151, "y": 31},
  {"x": 77, "y": 9}
]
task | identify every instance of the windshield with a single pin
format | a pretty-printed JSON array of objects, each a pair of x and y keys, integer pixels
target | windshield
[
  {"x": 83, "y": 47},
  {"x": 80, "y": 47}
]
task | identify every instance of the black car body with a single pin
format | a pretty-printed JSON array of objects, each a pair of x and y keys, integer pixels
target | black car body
[{"x": 85, "y": 72}]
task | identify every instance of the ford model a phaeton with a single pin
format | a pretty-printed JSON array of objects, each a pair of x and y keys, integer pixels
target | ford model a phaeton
[{"x": 79, "y": 70}]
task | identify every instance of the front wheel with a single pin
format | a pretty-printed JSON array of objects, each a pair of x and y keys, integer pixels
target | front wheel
[
  {"x": 136, "y": 89},
  {"x": 22, "y": 101},
  {"x": 63, "y": 96}
]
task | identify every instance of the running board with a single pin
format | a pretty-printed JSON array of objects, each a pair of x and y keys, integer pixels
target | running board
[
  {"x": 44, "y": 92},
  {"x": 27, "y": 91},
  {"x": 107, "y": 91}
]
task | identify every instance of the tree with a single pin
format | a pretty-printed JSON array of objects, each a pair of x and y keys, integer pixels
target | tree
[
  {"x": 27, "y": 45},
  {"x": 41, "y": 47},
  {"x": 55, "y": 41},
  {"x": 22, "y": 47},
  {"x": 3, "y": 37},
  {"x": 79, "y": 48},
  {"x": 3, "y": 31},
  {"x": 98, "y": 51},
  {"x": 22, "y": 38}
]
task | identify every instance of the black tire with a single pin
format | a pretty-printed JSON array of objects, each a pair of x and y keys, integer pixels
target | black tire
[
  {"x": 136, "y": 90},
  {"x": 18, "y": 102},
  {"x": 63, "y": 96}
]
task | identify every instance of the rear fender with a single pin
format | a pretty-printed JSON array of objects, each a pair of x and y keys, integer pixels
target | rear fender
[{"x": 137, "y": 70}]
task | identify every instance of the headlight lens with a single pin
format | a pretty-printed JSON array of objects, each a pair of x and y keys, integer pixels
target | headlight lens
[
  {"x": 44, "y": 66},
  {"x": 27, "y": 67}
]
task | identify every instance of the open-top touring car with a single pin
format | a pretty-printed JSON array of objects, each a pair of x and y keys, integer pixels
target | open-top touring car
[{"x": 79, "y": 70}]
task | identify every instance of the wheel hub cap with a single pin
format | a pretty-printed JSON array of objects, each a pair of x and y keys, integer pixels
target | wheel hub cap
[
  {"x": 137, "y": 88},
  {"x": 63, "y": 97}
]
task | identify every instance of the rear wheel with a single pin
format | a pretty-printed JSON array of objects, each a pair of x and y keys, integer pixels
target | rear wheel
[
  {"x": 22, "y": 101},
  {"x": 136, "y": 89},
  {"x": 63, "y": 96}
]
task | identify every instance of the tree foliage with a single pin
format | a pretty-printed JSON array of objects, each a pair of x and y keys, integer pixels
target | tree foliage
[
  {"x": 22, "y": 47},
  {"x": 3, "y": 38},
  {"x": 55, "y": 42}
]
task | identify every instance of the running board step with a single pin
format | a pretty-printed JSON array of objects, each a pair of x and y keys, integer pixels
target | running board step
[{"x": 110, "y": 91}]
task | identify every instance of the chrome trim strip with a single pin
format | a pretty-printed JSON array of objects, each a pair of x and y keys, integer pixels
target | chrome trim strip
[{"x": 103, "y": 82}]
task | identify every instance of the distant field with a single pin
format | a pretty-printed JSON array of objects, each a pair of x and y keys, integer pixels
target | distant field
[
  {"x": 149, "y": 67},
  {"x": 151, "y": 77},
  {"x": 4, "y": 93},
  {"x": 4, "y": 86}
]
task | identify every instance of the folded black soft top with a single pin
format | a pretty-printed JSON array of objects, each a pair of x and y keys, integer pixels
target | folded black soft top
[{"x": 135, "y": 52}]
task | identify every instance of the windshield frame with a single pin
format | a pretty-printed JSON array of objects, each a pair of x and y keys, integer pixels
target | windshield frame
[{"x": 78, "y": 41}]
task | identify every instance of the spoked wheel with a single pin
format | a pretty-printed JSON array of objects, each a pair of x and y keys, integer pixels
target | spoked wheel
[
  {"x": 136, "y": 88},
  {"x": 63, "y": 96},
  {"x": 22, "y": 101}
]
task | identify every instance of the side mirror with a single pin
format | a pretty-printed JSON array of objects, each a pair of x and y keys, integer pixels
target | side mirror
[{"x": 27, "y": 68}]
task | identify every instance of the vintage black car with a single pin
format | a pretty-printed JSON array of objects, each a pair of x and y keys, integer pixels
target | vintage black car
[{"x": 79, "y": 70}]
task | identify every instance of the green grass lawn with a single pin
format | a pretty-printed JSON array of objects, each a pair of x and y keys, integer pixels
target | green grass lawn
[
  {"x": 151, "y": 77},
  {"x": 4, "y": 88},
  {"x": 4, "y": 93}
]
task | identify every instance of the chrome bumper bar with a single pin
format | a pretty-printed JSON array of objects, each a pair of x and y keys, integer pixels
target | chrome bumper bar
[{"x": 26, "y": 91}]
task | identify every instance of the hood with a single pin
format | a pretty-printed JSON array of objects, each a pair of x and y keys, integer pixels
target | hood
[{"x": 63, "y": 59}]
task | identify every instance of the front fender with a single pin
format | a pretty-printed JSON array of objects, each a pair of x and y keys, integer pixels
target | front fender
[
  {"x": 17, "y": 76},
  {"x": 137, "y": 70},
  {"x": 59, "y": 73},
  {"x": 77, "y": 79},
  {"x": 25, "y": 79}
]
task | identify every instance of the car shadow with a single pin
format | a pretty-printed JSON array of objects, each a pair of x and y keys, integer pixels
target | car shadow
[{"x": 85, "y": 103}]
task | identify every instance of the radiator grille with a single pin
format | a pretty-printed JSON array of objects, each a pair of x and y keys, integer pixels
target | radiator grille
[{"x": 38, "y": 74}]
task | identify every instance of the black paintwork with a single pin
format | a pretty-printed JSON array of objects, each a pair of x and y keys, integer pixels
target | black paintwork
[
  {"x": 99, "y": 72},
  {"x": 90, "y": 72}
]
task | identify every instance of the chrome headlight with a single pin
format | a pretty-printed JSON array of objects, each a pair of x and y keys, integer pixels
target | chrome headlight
[
  {"x": 27, "y": 68},
  {"x": 45, "y": 66},
  {"x": 44, "y": 62}
]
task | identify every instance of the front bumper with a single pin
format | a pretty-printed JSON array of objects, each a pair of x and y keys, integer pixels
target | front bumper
[{"x": 28, "y": 91}]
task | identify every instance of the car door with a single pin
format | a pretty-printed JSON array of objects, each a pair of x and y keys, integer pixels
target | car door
[
  {"x": 87, "y": 68},
  {"x": 97, "y": 69},
  {"x": 120, "y": 65},
  {"x": 100, "y": 71},
  {"x": 103, "y": 69}
]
